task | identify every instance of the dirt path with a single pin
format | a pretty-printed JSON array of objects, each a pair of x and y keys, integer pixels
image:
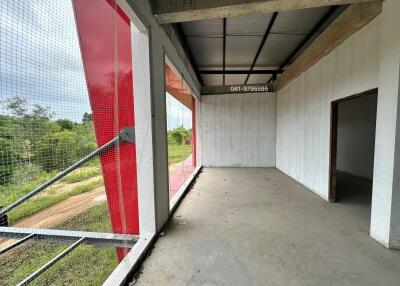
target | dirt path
[{"x": 62, "y": 211}]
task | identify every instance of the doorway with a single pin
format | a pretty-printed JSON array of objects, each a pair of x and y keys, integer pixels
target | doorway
[{"x": 353, "y": 124}]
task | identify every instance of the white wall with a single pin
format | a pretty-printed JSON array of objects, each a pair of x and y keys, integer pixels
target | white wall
[
  {"x": 238, "y": 130},
  {"x": 369, "y": 59},
  {"x": 303, "y": 106},
  {"x": 385, "y": 214},
  {"x": 356, "y": 135}
]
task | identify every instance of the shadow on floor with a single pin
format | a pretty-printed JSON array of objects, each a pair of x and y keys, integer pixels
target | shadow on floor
[{"x": 353, "y": 189}]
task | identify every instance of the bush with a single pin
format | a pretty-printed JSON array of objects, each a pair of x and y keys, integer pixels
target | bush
[
  {"x": 65, "y": 124},
  {"x": 179, "y": 135},
  {"x": 6, "y": 161},
  {"x": 27, "y": 173},
  {"x": 56, "y": 151}
]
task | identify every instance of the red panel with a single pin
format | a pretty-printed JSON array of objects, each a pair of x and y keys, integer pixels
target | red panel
[
  {"x": 105, "y": 39},
  {"x": 194, "y": 157}
]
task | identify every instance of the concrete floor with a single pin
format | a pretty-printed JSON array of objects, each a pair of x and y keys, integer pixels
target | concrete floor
[{"x": 256, "y": 226}]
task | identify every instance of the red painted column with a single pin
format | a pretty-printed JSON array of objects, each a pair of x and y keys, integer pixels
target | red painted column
[
  {"x": 105, "y": 40},
  {"x": 194, "y": 156}
]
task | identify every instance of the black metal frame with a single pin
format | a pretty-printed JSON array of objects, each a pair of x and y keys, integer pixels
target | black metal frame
[
  {"x": 224, "y": 51},
  {"x": 261, "y": 46},
  {"x": 240, "y": 72}
]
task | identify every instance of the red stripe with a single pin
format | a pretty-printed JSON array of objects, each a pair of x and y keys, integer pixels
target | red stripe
[{"x": 105, "y": 40}]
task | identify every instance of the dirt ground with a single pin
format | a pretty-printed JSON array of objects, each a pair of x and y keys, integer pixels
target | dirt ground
[{"x": 62, "y": 211}]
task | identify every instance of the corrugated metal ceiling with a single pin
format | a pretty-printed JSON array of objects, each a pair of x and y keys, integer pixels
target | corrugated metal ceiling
[{"x": 243, "y": 37}]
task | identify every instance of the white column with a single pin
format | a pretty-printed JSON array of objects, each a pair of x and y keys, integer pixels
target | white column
[{"x": 385, "y": 214}]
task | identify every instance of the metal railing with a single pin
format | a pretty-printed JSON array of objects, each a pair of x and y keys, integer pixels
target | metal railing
[
  {"x": 126, "y": 134},
  {"x": 75, "y": 237}
]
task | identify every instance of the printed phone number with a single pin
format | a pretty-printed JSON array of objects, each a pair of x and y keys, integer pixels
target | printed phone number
[{"x": 250, "y": 88}]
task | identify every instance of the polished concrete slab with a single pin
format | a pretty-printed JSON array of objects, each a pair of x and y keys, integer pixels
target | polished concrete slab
[{"x": 257, "y": 226}]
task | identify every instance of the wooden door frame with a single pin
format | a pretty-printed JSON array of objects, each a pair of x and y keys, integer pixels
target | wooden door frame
[{"x": 333, "y": 140}]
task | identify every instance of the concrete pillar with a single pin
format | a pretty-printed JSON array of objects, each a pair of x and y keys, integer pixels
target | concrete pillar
[
  {"x": 150, "y": 117},
  {"x": 385, "y": 214}
]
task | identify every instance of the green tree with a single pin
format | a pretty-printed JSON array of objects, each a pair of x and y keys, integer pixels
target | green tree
[
  {"x": 6, "y": 161},
  {"x": 56, "y": 151},
  {"x": 179, "y": 135},
  {"x": 65, "y": 124},
  {"x": 17, "y": 105},
  {"x": 86, "y": 118}
]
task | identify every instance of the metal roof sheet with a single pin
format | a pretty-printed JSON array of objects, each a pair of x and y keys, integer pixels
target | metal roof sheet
[{"x": 243, "y": 37}]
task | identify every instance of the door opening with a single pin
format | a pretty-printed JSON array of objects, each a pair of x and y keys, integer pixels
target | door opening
[{"x": 353, "y": 123}]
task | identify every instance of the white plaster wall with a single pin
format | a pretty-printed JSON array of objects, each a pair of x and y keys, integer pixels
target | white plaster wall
[
  {"x": 385, "y": 214},
  {"x": 356, "y": 135},
  {"x": 303, "y": 106},
  {"x": 238, "y": 130}
]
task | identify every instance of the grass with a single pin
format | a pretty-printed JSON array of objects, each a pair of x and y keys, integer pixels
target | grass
[
  {"x": 80, "y": 175},
  {"x": 51, "y": 196},
  {"x": 86, "y": 265},
  {"x": 41, "y": 202},
  {"x": 178, "y": 153}
]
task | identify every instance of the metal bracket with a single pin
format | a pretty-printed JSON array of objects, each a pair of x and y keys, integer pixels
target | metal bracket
[
  {"x": 3, "y": 218},
  {"x": 128, "y": 134}
]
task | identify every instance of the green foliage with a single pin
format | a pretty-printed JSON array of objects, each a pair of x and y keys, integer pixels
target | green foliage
[
  {"x": 48, "y": 199},
  {"x": 37, "y": 139},
  {"x": 179, "y": 135},
  {"x": 81, "y": 175},
  {"x": 17, "y": 106},
  {"x": 65, "y": 124},
  {"x": 74, "y": 268},
  {"x": 56, "y": 151},
  {"x": 86, "y": 118},
  {"x": 178, "y": 153},
  {"x": 6, "y": 157}
]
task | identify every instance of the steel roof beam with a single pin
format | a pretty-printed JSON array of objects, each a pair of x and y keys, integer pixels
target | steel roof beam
[
  {"x": 260, "y": 47},
  {"x": 224, "y": 51},
  {"x": 240, "y": 71}
]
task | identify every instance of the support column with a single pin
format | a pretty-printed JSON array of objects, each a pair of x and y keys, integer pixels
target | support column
[{"x": 385, "y": 214}]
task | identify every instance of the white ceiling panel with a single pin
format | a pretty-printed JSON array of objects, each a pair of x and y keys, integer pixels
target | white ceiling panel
[
  {"x": 248, "y": 25},
  {"x": 206, "y": 52},
  {"x": 212, "y": 79},
  {"x": 298, "y": 21},
  {"x": 243, "y": 37},
  {"x": 277, "y": 48},
  {"x": 258, "y": 78},
  {"x": 203, "y": 28},
  {"x": 240, "y": 51}
]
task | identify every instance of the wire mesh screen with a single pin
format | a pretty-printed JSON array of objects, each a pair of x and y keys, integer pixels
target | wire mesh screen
[
  {"x": 66, "y": 92},
  {"x": 180, "y": 106}
]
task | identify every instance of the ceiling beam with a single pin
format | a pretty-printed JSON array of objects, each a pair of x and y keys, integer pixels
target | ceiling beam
[
  {"x": 173, "y": 11},
  {"x": 240, "y": 71},
  {"x": 344, "y": 26},
  {"x": 260, "y": 47}
]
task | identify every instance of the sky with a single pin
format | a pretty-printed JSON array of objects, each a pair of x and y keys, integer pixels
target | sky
[
  {"x": 40, "y": 60},
  {"x": 40, "y": 57},
  {"x": 177, "y": 114}
]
